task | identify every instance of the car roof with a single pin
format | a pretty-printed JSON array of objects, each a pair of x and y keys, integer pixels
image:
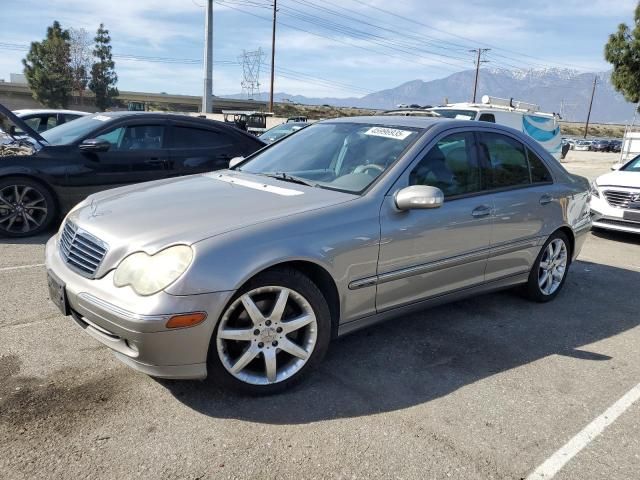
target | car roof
[{"x": 27, "y": 111}]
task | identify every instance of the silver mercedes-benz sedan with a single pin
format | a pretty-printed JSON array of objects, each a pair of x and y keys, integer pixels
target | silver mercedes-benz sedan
[{"x": 245, "y": 275}]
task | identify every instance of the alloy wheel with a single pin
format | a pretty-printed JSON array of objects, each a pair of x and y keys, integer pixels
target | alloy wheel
[
  {"x": 267, "y": 335},
  {"x": 553, "y": 266},
  {"x": 22, "y": 209}
]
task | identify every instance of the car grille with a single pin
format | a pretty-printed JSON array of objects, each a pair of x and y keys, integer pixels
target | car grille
[
  {"x": 81, "y": 250},
  {"x": 619, "y": 198}
]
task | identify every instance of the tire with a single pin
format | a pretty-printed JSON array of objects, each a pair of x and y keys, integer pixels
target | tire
[
  {"x": 244, "y": 345},
  {"x": 537, "y": 288},
  {"x": 27, "y": 208}
]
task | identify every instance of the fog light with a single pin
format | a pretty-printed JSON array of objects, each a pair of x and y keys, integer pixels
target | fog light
[{"x": 186, "y": 320}]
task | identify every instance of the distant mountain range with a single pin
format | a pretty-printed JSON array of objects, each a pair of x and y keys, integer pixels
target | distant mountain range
[{"x": 554, "y": 89}]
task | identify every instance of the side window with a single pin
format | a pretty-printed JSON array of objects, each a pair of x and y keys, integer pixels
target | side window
[
  {"x": 70, "y": 116},
  {"x": 113, "y": 137},
  {"x": 506, "y": 159},
  {"x": 33, "y": 122},
  {"x": 187, "y": 137},
  {"x": 450, "y": 165},
  {"x": 539, "y": 172},
  {"x": 487, "y": 117},
  {"x": 52, "y": 121},
  {"x": 135, "y": 137}
]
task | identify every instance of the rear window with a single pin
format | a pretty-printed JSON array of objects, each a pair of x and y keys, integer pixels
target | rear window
[
  {"x": 455, "y": 113},
  {"x": 187, "y": 137},
  {"x": 539, "y": 172}
]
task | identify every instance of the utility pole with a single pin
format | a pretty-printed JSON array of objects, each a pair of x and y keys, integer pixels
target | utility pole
[
  {"x": 207, "y": 100},
  {"x": 273, "y": 53},
  {"x": 479, "y": 60},
  {"x": 593, "y": 92}
]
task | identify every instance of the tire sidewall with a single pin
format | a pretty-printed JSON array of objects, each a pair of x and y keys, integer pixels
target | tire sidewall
[
  {"x": 294, "y": 280},
  {"x": 44, "y": 191}
]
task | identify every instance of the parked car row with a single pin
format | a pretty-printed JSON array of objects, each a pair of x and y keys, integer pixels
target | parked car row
[{"x": 600, "y": 145}]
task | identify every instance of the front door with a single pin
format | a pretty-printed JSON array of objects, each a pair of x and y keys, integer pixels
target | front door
[
  {"x": 137, "y": 154},
  {"x": 426, "y": 253}
]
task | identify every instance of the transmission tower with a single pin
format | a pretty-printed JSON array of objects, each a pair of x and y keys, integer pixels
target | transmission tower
[{"x": 251, "y": 62}]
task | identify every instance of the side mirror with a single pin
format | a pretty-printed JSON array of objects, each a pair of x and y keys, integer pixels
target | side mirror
[
  {"x": 94, "y": 145},
  {"x": 235, "y": 161},
  {"x": 616, "y": 166},
  {"x": 419, "y": 196},
  {"x": 13, "y": 131}
]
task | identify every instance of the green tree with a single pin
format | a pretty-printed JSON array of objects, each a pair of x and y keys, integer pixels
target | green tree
[
  {"x": 623, "y": 52},
  {"x": 103, "y": 73},
  {"x": 46, "y": 67}
]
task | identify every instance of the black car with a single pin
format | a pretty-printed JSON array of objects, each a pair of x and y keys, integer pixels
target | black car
[
  {"x": 45, "y": 175},
  {"x": 615, "y": 146}
]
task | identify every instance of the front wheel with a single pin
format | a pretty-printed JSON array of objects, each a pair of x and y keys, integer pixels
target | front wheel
[
  {"x": 276, "y": 329},
  {"x": 550, "y": 269},
  {"x": 26, "y": 207}
]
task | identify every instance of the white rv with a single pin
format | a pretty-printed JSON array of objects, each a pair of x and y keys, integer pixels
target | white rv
[{"x": 525, "y": 117}]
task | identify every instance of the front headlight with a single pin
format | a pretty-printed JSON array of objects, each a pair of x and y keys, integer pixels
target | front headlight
[
  {"x": 149, "y": 274},
  {"x": 594, "y": 190}
]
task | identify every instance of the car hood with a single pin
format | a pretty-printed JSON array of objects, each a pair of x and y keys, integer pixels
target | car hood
[
  {"x": 152, "y": 215},
  {"x": 8, "y": 118},
  {"x": 620, "y": 179}
]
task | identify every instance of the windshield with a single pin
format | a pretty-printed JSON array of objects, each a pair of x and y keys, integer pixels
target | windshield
[
  {"x": 455, "y": 113},
  {"x": 340, "y": 156},
  {"x": 68, "y": 133},
  {"x": 633, "y": 165}
]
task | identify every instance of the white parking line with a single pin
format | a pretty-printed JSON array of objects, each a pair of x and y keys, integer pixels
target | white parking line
[
  {"x": 21, "y": 267},
  {"x": 570, "y": 449}
]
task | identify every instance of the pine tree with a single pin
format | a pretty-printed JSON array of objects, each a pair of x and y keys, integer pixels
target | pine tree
[
  {"x": 46, "y": 68},
  {"x": 103, "y": 74},
  {"x": 623, "y": 52}
]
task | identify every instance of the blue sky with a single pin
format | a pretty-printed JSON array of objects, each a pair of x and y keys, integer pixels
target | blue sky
[{"x": 333, "y": 48}]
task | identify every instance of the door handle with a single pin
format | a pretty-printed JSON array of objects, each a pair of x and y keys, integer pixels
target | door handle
[
  {"x": 155, "y": 161},
  {"x": 481, "y": 211},
  {"x": 545, "y": 199}
]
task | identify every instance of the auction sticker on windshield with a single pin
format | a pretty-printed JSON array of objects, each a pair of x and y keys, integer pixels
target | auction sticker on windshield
[{"x": 388, "y": 133}]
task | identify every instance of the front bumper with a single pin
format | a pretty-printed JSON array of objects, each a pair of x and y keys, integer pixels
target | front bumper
[
  {"x": 608, "y": 217},
  {"x": 134, "y": 326}
]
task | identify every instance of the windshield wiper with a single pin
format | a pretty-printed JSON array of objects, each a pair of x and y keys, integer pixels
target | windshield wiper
[{"x": 285, "y": 177}]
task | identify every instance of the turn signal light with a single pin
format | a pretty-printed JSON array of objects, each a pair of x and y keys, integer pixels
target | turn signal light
[{"x": 186, "y": 320}]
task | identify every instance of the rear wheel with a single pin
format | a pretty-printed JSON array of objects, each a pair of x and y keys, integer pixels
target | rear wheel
[
  {"x": 550, "y": 269},
  {"x": 26, "y": 207},
  {"x": 274, "y": 331}
]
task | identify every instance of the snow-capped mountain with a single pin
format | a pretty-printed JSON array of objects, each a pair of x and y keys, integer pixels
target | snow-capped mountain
[{"x": 558, "y": 90}]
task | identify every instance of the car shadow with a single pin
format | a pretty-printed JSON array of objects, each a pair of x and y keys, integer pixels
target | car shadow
[
  {"x": 630, "y": 238},
  {"x": 421, "y": 357},
  {"x": 40, "y": 239}
]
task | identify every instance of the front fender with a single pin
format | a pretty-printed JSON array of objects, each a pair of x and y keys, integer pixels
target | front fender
[{"x": 343, "y": 240}]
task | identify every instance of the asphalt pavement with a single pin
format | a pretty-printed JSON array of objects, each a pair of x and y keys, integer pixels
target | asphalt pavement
[{"x": 487, "y": 388}]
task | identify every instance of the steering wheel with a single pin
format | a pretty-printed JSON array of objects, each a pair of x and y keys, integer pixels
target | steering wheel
[{"x": 364, "y": 168}]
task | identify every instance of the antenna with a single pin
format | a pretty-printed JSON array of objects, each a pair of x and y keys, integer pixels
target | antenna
[{"x": 251, "y": 62}]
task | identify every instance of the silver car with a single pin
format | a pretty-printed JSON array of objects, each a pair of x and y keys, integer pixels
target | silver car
[{"x": 245, "y": 275}]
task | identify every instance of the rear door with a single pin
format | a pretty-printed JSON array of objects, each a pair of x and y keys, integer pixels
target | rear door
[
  {"x": 197, "y": 149},
  {"x": 522, "y": 198}
]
